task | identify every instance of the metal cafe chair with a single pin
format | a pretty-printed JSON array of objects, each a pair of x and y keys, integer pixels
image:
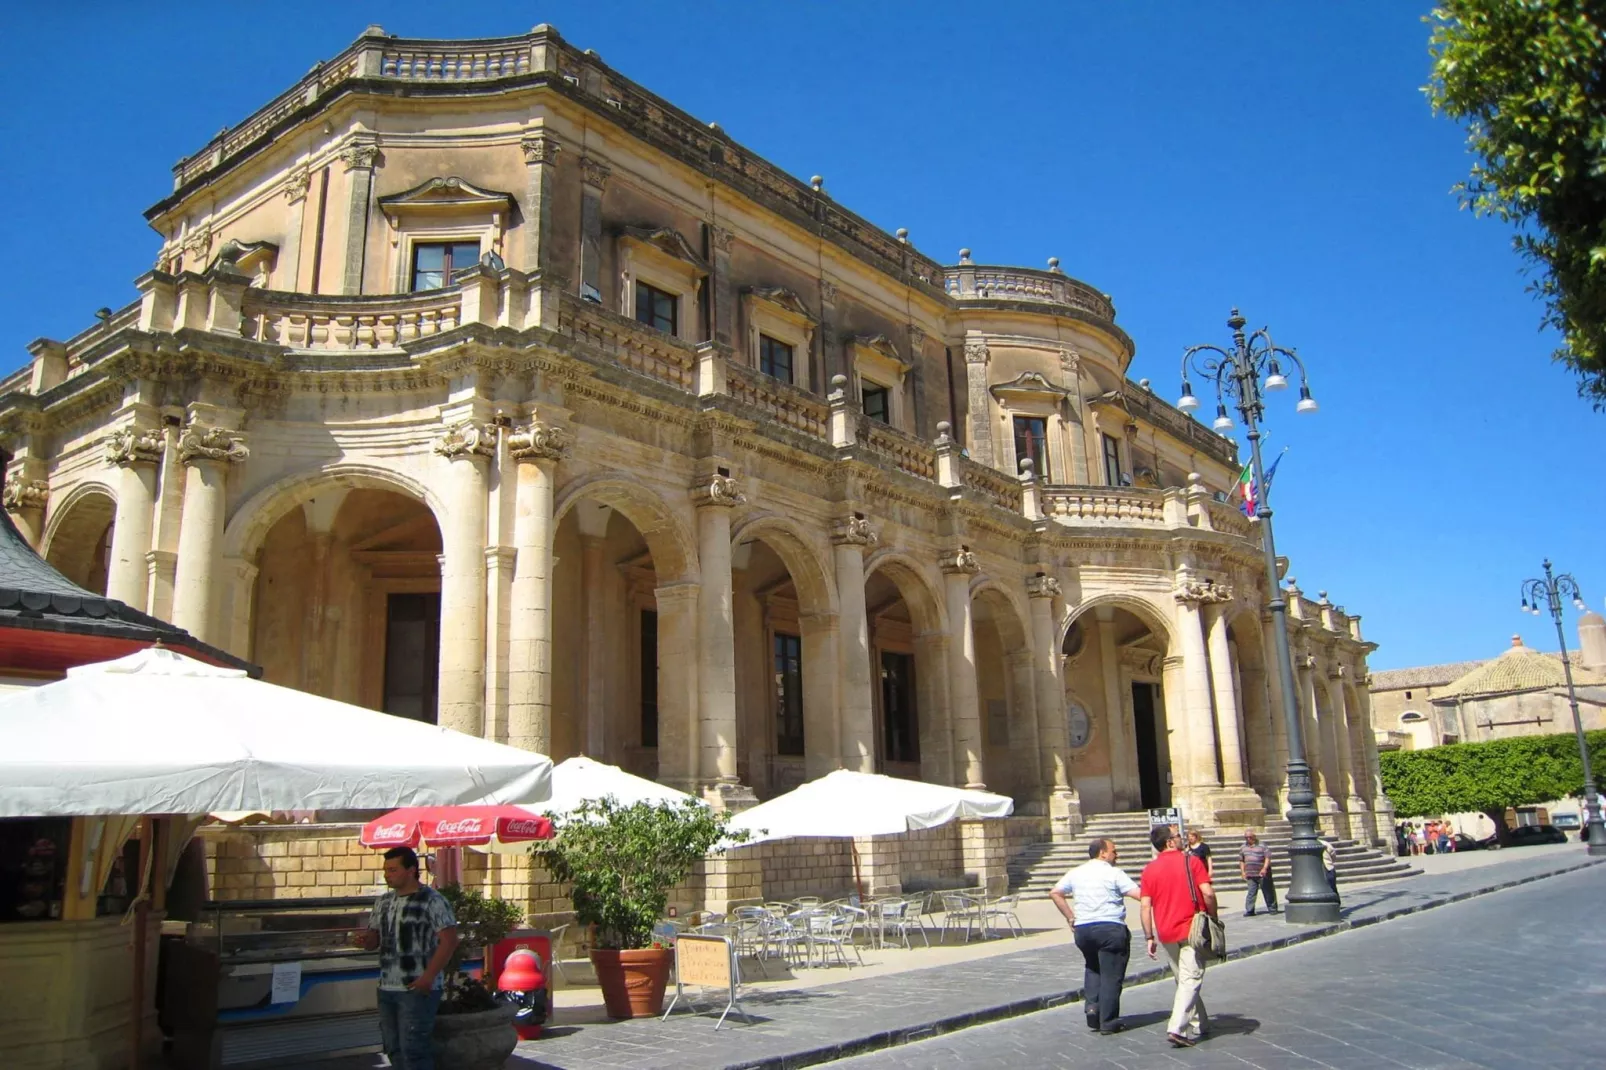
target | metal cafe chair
[{"x": 960, "y": 909}]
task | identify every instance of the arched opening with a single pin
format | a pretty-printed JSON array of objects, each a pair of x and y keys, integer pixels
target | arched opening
[
  {"x": 1115, "y": 707},
  {"x": 347, "y": 600},
  {"x": 1263, "y": 738},
  {"x": 1005, "y": 692},
  {"x": 78, "y": 542},
  {"x": 907, "y": 653}
]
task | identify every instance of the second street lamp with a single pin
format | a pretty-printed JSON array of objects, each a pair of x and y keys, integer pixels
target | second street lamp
[
  {"x": 1237, "y": 374},
  {"x": 1553, "y": 589}
]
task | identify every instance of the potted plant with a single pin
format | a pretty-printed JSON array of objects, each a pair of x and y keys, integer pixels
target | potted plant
[
  {"x": 474, "y": 1031},
  {"x": 620, "y": 862}
]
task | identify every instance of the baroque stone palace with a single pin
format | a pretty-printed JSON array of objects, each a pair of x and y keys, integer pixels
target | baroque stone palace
[{"x": 476, "y": 383}]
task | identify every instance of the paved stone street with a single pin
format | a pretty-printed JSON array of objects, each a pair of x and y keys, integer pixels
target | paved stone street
[{"x": 1502, "y": 981}]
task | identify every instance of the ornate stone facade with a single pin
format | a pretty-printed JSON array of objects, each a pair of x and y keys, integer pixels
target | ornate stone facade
[{"x": 541, "y": 451}]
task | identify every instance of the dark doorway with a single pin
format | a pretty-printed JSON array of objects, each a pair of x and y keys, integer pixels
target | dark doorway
[
  {"x": 1146, "y": 737},
  {"x": 649, "y": 678},
  {"x": 900, "y": 732},
  {"x": 412, "y": 655}
]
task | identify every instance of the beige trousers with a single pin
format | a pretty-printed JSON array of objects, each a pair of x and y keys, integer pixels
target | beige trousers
[{"x": 1188, "y": 1015}]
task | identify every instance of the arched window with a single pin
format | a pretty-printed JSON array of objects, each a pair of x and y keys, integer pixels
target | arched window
[{"x": 1411, "y": 717}]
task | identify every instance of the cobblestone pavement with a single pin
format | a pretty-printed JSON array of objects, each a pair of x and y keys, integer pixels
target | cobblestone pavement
[
  {"x": 802, "y": 1027},
  {"x": 1504, "y": 981}
]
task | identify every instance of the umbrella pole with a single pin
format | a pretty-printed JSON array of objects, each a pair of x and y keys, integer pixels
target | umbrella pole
[
  {"x": 858, "y": 882},
  {"x": 136, "y": 1025}
]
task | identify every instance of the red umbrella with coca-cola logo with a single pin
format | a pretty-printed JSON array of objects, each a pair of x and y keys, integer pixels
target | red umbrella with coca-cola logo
[{"x": 503, "y": 829}]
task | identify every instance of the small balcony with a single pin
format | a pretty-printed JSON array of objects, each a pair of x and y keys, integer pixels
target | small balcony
[{"x": 979, "y": 282}]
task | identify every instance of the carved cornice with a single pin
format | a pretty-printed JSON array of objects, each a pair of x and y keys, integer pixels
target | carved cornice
[
  {"x": 540, "y": 442},
  {"x": 781, "y": 297},
  {"x": 1029, "y": 384},
  {"x": 466, "y": 438},
  {"x": 127, "y": 446},
  {"x": 854, "y": 531},
  {"x": 719, "y": 490},
  {"x": 594, "y": 172},
  {"x": 976, "y": 353},
  {"x": 22, "y": 493},
  {"x": 1202, "y": 592},
  {"x": 199, "y": 443},
  {"x": 1042, "y": 587},
  {"x": 540, "y": 148},
  {"x": 960, "y": 560},
  {"x": 1140, "y": 661}
]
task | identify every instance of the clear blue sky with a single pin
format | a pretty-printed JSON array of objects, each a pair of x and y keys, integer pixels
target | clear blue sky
[{"x": 1185, "y": 158}]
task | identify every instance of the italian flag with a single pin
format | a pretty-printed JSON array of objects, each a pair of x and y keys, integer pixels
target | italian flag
[{"x": 1246, "y": 489}]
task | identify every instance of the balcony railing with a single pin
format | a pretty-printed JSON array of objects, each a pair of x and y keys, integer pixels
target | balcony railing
[
  {"x": 788, "y": 406},
  {"x": 973, "y": 282},
  {"x": 312, "y": 322},
  {"x": 1098, "y": 506},
  {"x": 906, "y": 452}
]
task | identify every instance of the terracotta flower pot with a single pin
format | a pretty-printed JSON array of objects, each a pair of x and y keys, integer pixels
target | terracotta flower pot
[
  {"x": 479, "y": 1040},
  {"x": 633, "y": 982}
]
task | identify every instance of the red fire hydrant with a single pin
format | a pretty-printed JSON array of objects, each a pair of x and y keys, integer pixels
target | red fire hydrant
[{"x": 523, "y": 984}]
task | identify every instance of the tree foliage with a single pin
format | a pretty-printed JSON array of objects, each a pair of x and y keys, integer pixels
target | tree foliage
[
  {"x": 1528, "y": 79},
  {"x": 1488, "y": 777},
  {"x": 621, "y": 861}
]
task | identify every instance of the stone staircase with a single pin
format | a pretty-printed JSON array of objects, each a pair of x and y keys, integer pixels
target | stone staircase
[{"x": 1035, "y": 869}]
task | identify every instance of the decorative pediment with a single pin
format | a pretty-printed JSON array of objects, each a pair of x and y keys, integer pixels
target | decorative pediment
[
  {"x": 783, "y": 299},
  {"x": 882, "y": 345},
  {"x": 253, "y": 259},
  {"x": 668, "y": 241},
  {"x": 448, "y": 195},
  {"x": 1032, "y": 385}
]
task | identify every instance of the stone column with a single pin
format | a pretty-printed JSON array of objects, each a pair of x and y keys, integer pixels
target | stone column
[
  {"x": 980, "y": 434},
  {"x": 716, "y": 660},
  {"x": 24, "y": 498},
  {"x": 722, "y": 287},
  {"x": 678, "y": 691},
  {"x": 1349, "y": 775},
  {"x": 958, "y": 567},
  {"x": 536, "y": 450},
  {"x": 468, "y": 445},
  {"x": 1115, "y": 715},
  {"x": 1229, "y": 721},
  {"x": 540, "y": 162},
  {"x": 934, "y": 709},
  {"x": 1316, "y": 755},
  {"x": 1200, "y": 762},
  {"x": 1024, "y": 732},
  {"x": 594, "y": 177},
  {"x": 595, "y": 663},
  {"x": 296, "y": 184},
  {"x": 822, "y": 738},
  {"x": 1274, "y": 710},
  {"x": 1049, "y": 692},
  {"x": 849, "y": 538},
  {"x": 206, "y": 453},
  {"x": 359, "y": 159},
  {"x": 136, "y": 453}
]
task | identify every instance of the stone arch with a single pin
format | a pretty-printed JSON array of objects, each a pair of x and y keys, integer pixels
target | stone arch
[
  {"x": 1145, "y": 610},
  {"x": 1263, "y": 738},
  {"x": 914, "y": 583},
  {"x": 255, "y": 516},
  {"x": 1013, "y": 623},
  {"x": 802, "y": 558},
  {"x": 76, "y": 531},
  {"x": 674, "y": 550}
]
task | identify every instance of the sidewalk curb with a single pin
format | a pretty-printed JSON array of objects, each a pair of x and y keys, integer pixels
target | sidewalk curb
[{"x": 1015, "y": 1008}]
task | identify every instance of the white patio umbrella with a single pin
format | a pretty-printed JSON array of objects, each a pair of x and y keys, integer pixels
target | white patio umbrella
[
  {"x": 848, "y": 804},
  {"x": 160, "y": 733},
  {"x": 576, "y": 780}
]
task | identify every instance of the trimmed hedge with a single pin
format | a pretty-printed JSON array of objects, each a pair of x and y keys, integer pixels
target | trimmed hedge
[{"x": 1489, "y": 777}]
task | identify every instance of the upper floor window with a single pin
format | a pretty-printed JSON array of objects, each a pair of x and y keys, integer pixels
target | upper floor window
[
  {"x": 1112, "y": 460},
  {"x": 1031, "y": 440},
  {"x": 658, "y": 309},
  {"x": 434, "y": 263},
  {"x": 775, "y": 358},
  {"x": 877, "y": 403}
]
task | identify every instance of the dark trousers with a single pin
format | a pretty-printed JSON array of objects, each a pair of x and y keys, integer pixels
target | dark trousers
[
  {"x": 1106, "y": 947},
  {"x": 406, "y": 1027},
  {"x": 1266, "y": 888}
]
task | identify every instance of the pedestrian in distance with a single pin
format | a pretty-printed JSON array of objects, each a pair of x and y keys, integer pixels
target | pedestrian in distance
[
  {"x": 1330, "y": 864},
  {"x": 1254, "y": 864},
  {"x": 1199, "y": 849},
  {"x": 1168, "y": 910},
  {"x": 415, "y": 933},
  {"x": 1096, "y": 913}
]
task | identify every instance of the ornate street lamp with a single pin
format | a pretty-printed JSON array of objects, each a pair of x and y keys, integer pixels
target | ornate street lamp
[
  {"x": 1553, "y": 589},
  {"x": 1238, "y": 376}
]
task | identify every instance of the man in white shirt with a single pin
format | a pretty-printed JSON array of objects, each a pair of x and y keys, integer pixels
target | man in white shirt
[{"x": 1098, "y": 922}]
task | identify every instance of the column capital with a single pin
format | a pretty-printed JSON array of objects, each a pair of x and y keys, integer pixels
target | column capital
[
  {"x": 854, "y": 530},
  {"x": 540, "y": 441},
  {"x": 1042, "y": 585},
  {"x": 594, "y": 172},
  {"x": 296, "y": 184},
  {"x": 722, "y": 238},
  {"x": 540, "y": 148},
  {"x": 361, "y": 154},
  {"x": 466, "y": 438},
  {"x": 199, "y": 443},
  {"x": 1202, "y": 592},
  {"x": 959, "y": 561},
  {"x": 976, "y": 352},
  {"x": 129, "y": 446},
  {"x": 21, "y": 493},
  {"x": 720, "y": 490}
]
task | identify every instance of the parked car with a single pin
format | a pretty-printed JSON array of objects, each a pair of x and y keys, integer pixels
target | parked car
[
  {"x": 1463, "y": 842},
  {"x": 1527, "y": 836}
]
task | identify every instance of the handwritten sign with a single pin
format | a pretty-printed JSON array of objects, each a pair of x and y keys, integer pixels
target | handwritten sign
[
  {"x": 286, "y": 982},
  {"x": 703, "y": 960}
]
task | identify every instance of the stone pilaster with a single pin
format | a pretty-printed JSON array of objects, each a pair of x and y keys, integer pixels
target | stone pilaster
[
  {"x": 1064, "y": 808},
  {"x": 540, "y": 161},
  {"x": 206, "y": 453},
  {"x": 980, "y": 435},
  {"x": 136, "y": 453},
  {"x": 359, "y": 159},
  {"x": 594, "y": 178},
  {"x": 679, "y": 691},
  {"x": 1199, "y": 765},
  {"x": 850, "y": 537},
  {"x": 1229, "y": 719},
  {"x": 536, "y": 450},
  {"x": 958, "y": 566},
  {"x": 468, "y": 445},
  {"x": 296, "y": 185},
  {"x": 1123, "y": 784},
  {"x": 716, "y": 661}
]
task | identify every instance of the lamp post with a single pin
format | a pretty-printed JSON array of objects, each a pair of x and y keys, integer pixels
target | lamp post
[
  {"x": 1553, "y": 589},
  {"x": 1238, "y": 377}
]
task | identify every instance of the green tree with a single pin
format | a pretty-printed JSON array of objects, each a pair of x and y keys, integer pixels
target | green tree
[
  {"x": 1528, "y": 79},
  {"x": 1488, "y": 777}
]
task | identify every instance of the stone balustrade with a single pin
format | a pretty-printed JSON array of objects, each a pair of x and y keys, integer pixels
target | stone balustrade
[
  {"x": 905, "y": 452},
  {"x": 1105, "y": 506},
  {"x": 312, "y": 322},
  {"x": 788, "y": 406},
  {"x": 973, "y": 282},
  {"x": 1002, "y": 490}
]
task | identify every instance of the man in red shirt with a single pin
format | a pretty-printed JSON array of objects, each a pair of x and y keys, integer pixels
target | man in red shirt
[{"x": 1168, "y": 910}]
